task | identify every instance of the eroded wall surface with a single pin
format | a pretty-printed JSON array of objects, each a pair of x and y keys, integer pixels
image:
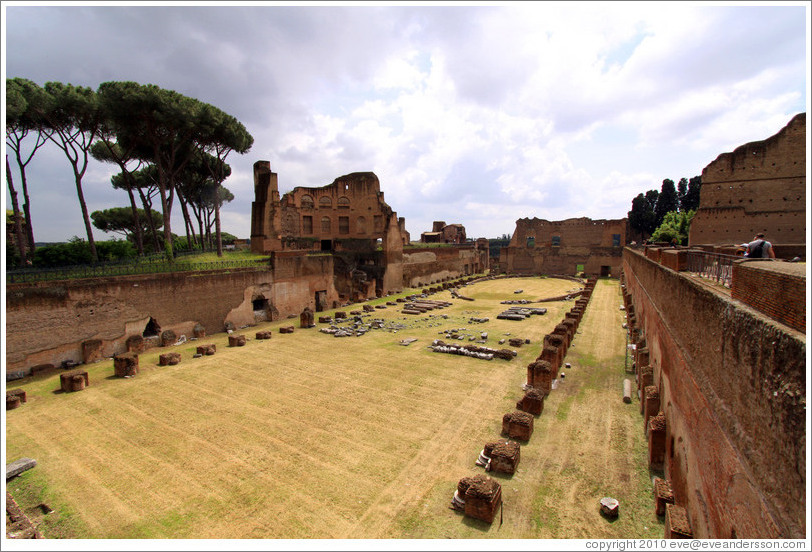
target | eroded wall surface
[
  {"x": 541, "y": 246},
  {"x": 46, "y": 323},
  {"x": 759, "y": 187},
  {"x": 732, "y": 387},
  {"x": 423, "y": 266}
]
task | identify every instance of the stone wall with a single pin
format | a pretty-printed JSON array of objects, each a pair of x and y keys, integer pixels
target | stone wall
[
  {"x": 352, "y": 207},
  {"x": 759, "y": 187},
  {"x": 773, "y": 288},
  {"x": 543, "y": 247},
  {"x": 46, "y": 323},
  {"x": 422, "y": 266},
  {"x": 731, "y": 386}
]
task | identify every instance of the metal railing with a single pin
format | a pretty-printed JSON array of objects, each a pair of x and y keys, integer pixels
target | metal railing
[
  {"x": 103, "y": 270},
  {"x": 714, "y": 266}
]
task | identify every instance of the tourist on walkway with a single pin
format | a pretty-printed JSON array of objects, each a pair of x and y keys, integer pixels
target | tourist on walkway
[{"x": 759, "y": 248}]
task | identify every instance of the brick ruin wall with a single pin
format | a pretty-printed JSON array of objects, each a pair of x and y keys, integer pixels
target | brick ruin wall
[
  {"x": 759, "y": 187},
  {"x": 775, "y": 289},
  {"x": 582, "y": 241},
  {"x": 351, "y": 208},
  {"x": 429, "y": 265},
  {"x": 732, "y": 386},
  {"x": 46, "y": 323}
]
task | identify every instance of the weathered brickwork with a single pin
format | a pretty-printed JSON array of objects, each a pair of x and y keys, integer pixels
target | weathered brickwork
[
  {"x": 540, "y": 246},
  {"x": 50, "y": 322},
  {"x": 423, "y": 266},
  {"x": 774, "y": 288},
  {"x": 732, "y": 389},
  {"x": 351, "y": 208},
  {"x": 759, "y": 187}
]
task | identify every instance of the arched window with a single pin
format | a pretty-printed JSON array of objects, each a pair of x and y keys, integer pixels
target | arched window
[
  {"x": 325, "y": 225},
  {"x": 307, "y": 202},
  {"x": 325, "y": 202},
  {"x": 343, "y": 202},
  {"x": 361, "y": 225}
]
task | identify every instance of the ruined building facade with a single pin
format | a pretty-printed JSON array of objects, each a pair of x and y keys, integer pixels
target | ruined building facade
[
  {"x": 759, "y": 187},
  {"x": 444, "y": 233},
  {"x": 350, "y": 212},
  {"x": 540, "y": 246}
]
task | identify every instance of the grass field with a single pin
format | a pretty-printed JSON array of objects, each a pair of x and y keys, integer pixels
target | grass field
[{"x": 310, "y": 436}]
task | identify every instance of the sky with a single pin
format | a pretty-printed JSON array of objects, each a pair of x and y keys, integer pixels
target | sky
[{"x": 479, "y": 114}]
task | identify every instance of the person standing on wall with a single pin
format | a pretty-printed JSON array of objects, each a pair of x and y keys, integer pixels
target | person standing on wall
[{"x": 759, "y": 248}]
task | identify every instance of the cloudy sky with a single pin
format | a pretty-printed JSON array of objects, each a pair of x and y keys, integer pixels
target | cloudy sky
[{"x": 478, "y": 115}]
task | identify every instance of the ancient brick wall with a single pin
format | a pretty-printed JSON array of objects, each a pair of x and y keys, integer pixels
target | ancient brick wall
[
  {"x": 543, "y": 247},
  {"x": 352, "y": 207},
  {"x": 774, "y": 288},
  {"x": 433, "y": 264},
  {"x": 732, "y": 388},
  {"x": 46, "y": 323},
  {"x": 759, "y": 187}
]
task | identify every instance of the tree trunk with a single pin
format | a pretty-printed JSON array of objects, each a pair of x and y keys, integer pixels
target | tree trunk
[
  {"x": 18, "y": 225},
  {"x": 29, "y": 228},
  {"x": 139, "y": 235},
  {"x": 147, "y": 203},
  {"x": 78, "y": 178},
  {"x": 218, "y": 236},
  {"x": 187, "y": 223}
]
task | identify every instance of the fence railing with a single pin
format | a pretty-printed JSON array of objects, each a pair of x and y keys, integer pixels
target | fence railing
[
  {"x": 714, "y": 266},
  {"x": 102, "y": 270}
]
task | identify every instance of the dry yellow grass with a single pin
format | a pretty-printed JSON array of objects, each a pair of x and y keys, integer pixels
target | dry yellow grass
[{"x": 310, "y": 436}]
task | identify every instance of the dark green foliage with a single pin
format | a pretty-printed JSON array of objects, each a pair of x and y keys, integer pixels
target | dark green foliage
[
  {"x": 641, "y": 217},
  {"x": 77, "y": 252},
  {"x": 667, "y": 201},
  {"x": 691, "y": 200},
  {"x": 120, "y": 219}
]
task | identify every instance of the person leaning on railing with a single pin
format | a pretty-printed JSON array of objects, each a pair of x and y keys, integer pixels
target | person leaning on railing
[{"x": 759, "y": 248}]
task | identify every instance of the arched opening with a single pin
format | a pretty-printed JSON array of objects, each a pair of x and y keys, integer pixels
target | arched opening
[
  {"x": 152, "y": 329},
  {"x": 261, "y": 308}
]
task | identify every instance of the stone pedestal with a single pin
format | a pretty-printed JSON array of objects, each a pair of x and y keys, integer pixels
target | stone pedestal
[
  {"x": 532, "y": 402},
  {"x": 651, "y": 403},
  {"x": 75, "y": 380},
  {"x": 91, "y": 350},
  {"x": 518, "y": 425},
  {"x": 135, "y": 344},
  {"x": 662, "y": 495},
  {"x": 306, "y": 319},
  {"x": 199, "y": 331},
  {"x": 209, "y": 349},
  {"x": 656, "y": 442},
  {"x": 677, "y": 525},
  {"x": 482, "y": 496},
  {"x": 169, "y": 359},
  {"x": 540, "y": 376},
  {"x": 504, "y": 456},
  {"x": 168, "y": 338},
  {"x": 125, "y": 365},
  {"x": 236, "y": 341}
]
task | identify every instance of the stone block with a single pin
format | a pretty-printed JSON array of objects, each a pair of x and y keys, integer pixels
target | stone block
[
  {"x": 518, "y": 425},
  {"x": 199, "y": 331},
  {"x": 125, "y": 365},
  {"x": 610, "y": 507},
  {"x": 209, "y": 349},
  {"x": 482, "y": 495},
  {"x": 75, "y": 380},
  {"x": 662, "y": 495},
  {"x": 169, "y": 359},
  {"x": 91, "y": 350},
  {"x": 264, "y": 335},
  {"x": 656, "y": 441},
  {"x": 540, "y": 376},
  {"x": 286, "y": 329},
  {"x": 504, "y": 456},
  {"x": 532, "y": 402},
  {"x": 677, "y": 525},
  {"x": 135, "y": 344},
  {"x": 168, "y": 338},
  {"x": 236, "y": 340}
]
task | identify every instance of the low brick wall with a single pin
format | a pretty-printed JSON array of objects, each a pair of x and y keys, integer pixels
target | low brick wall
[
  {"x": 777, "y": 289},
  {"x": 732, "y": 388}
]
